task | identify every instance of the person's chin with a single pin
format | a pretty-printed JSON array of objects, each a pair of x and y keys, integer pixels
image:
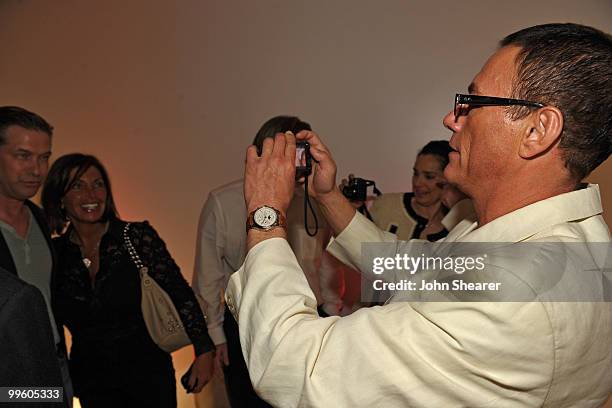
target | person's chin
[
  {"x": 450, "y": 173},
  {"x": 424, "y": 201},
  {"x": 90, "y": 218},
  {"x": 24, "y": 195},
  {"x": 28, "y": 191}
]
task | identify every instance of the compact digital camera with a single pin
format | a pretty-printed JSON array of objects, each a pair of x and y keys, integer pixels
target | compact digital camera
[{"x": 303, "y": 159}]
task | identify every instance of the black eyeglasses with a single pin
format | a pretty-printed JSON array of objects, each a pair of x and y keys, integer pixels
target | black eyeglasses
[{"x": 464, "y": 102}]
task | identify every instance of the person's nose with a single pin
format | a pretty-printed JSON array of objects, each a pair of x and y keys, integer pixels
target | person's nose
[
  {"x": 36, "y": 168},
  {"x": 452, "y": 122},
  {"x": 417, "y": 181},
  {"x": 89, "y": 193}
]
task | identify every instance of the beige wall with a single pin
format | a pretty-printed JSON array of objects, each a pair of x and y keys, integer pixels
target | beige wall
[{"x": 168, "y": 94}]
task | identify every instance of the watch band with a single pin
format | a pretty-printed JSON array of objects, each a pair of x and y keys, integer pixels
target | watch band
[{"x": 281, "y": 220}]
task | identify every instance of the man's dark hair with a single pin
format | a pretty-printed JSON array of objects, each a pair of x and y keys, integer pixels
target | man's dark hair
[
  {"x": 569, "y": 66},
  {"x": 278, "y": 124},
  {"x": 63, "y": 173},
  {"x": 438, "y": 148},
  {"x": 14, "y": 115}
]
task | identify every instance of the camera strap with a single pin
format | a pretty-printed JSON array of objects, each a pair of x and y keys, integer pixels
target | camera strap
[
  {"x": 376, "y": 191},
  {"x": 308, "y": 204},
  {"x": 364, "y": 209}
]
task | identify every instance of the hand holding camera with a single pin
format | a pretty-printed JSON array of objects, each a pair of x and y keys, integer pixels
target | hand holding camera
[
  {"x": 303, "y": 160},
  {"x": 269, "y": 179},
  {"x": 323, "y": 177},
  {"x": 356, "y": 189}
]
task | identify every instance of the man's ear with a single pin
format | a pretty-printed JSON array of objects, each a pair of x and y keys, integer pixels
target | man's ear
[{"x": 543, "y": 129}]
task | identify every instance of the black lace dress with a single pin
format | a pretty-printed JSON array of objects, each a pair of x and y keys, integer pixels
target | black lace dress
[{"x": 112, "y": 351}]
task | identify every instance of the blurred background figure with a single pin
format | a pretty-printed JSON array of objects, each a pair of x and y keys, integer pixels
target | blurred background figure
[
  {"x": 221, "y": 248},
  {"x": 417, "y": 214},
  {"x": 429, "y": 212},
  {"x": 113, "y": 360}
]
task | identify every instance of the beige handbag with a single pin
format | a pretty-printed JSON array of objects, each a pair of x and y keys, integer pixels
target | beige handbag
[{"x": 161, "y": 317}]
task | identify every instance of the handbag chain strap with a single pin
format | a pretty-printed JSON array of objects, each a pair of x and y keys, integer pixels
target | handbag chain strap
[
  {"x": 141, "y": 268},
  {"x": 132, "y": 251}
]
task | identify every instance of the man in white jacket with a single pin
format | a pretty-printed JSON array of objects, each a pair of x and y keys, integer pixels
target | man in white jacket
[{"x": 535, "y": 123}]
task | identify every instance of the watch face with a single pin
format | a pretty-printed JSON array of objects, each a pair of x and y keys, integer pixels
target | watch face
[{"x": 265, "y": 217}]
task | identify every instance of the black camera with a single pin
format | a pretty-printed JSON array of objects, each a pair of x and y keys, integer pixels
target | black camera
[
  {"x": 303, "y": 159},
  {"x": 357, "y": 189}
]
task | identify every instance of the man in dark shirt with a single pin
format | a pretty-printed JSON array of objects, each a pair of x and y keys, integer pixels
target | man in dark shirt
[
  {"x": 25, "y": 245},
  {"x": 29, "y": 358}
]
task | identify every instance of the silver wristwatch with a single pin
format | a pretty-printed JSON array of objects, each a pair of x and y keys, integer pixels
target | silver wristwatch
[{"x": 265, "y": 218}]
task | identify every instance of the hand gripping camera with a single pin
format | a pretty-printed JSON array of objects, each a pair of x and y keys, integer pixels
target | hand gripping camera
[
  {"x": 303, "y": 160},
  {"x": 357, "y": 189}
]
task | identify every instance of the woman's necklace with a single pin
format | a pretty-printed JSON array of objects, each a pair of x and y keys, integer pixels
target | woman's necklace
[{"x": 90, "y": 257}]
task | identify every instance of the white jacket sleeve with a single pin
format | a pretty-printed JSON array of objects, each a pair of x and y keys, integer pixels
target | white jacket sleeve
[{"x": 399, "y": 355}]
